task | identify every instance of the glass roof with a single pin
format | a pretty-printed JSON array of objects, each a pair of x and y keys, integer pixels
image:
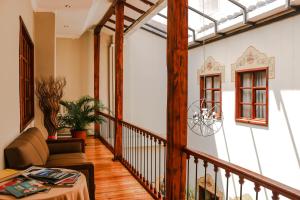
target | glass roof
[
  {"x": 217, "y": 9},
  {"x": 210, "y": 17}
]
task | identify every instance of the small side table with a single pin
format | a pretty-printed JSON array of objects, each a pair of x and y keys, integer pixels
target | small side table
[{"x": 78, "y": 192}]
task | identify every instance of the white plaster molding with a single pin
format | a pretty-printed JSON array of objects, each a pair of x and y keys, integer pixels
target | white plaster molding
[
  {"x": 253, "y": 58},
  {"x": 211, "y": 66}
]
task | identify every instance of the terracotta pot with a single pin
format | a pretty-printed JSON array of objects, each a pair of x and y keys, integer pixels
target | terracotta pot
[
  {"x": 79, "y": 134},
  {"x": 52, "y": 137}
]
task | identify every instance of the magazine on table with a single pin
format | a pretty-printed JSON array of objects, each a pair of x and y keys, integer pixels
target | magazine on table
[
  {"x": 11, "y": 182},
  {"x": 36, "y": 179},
  {"x": 54, "y": 176},
  {"x": 26, "y": 188},
  {"x": 7, "y": 174}
]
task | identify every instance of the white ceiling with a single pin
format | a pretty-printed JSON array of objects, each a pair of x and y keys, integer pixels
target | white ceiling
[{"x": 72, "y": 21}]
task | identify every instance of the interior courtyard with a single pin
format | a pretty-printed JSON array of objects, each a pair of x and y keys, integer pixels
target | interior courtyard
[{"x": 186, "y": 99}]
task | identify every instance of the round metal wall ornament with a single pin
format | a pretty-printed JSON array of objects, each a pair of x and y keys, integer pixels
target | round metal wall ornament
[{"x": 204, "y": 121}]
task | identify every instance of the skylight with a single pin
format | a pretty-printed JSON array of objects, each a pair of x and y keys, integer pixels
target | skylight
[{"x": 210, "y": 17}]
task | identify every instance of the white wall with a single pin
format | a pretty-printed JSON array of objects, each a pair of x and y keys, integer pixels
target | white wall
[
  {"x": 68, "y": 65},
  {"x": 75, "y": 62},
  {"x": 145, "y": 83},
  {"x": 9, "y": 67},
  {"x": 272, "y": 151}
]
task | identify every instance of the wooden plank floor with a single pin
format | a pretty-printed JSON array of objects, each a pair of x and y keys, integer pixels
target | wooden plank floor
[{"x": 112, "y": 179}]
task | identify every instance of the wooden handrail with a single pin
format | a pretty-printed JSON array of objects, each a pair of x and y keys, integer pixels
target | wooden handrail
[
  {"x": 156, "y": 136},
  {"x": 107, "y": 116},
  {"x": 256, "y": 178}
]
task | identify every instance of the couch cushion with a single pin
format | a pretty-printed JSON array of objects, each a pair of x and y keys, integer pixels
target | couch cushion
[
  {"x": 65, "y": 159},
  {"x": 30, "y": 148}
]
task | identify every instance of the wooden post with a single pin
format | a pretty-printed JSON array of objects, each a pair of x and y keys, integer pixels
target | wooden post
[
  {"x": 177, "y": 63},
  {"x": 96, "y": 75},
  {"x": 119, "y": 39}
]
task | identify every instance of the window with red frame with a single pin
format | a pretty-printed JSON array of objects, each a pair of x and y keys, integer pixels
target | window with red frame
[
  {"x": 210, "y": 91},
  {"x": 252, "y": 96}
]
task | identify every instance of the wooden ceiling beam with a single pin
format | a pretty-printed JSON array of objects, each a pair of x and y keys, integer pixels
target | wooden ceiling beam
[
  {"x": 154, "y": 33},
  {"x": 106, "y": 17},
  {"x": 147, "y": 2},
  {"x": 114, "y": 22},
  {"x": 110, "y": 28},
  {"x": 134, "y": 8},
  {"x": 127, "y": 18}
]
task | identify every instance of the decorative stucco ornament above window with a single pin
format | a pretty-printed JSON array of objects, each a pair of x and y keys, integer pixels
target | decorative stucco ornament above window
[
  {"x": 251, "y": 59},
  {"x": 211, "y": 66}
]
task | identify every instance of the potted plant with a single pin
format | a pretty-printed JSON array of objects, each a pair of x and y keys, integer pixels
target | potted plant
[{"x": 79, "y": 114}]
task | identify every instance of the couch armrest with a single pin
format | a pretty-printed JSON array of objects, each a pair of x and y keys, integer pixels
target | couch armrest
[{"x": 66, "y": 145}]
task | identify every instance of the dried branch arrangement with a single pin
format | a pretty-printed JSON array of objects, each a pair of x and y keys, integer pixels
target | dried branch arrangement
[{"x": 49, "y": 92}]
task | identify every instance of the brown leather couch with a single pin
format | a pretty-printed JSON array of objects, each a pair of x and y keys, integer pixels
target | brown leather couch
[{"x": 31, "y": 148}]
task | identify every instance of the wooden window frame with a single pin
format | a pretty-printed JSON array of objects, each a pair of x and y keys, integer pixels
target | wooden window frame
[
  {"x": 238, "y": 101},
  {"x": 26, "y": 75},
  {"x": 203, "y": 89}
]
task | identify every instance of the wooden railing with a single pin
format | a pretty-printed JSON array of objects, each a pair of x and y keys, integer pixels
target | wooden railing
[
  {"x": 258, "y": 181},
  {"x": 107, "y": 131},
  {"x": 144, "y": 155}
]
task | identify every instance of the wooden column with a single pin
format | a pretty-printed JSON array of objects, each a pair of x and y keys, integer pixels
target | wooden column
[
  {"x": 119, "y": 39},
  {"x": 96, "y": 75},
  {"x": 177, "y": 63}
]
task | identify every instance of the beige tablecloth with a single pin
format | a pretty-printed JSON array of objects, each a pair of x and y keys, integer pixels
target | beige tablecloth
[{"x": 78, "y": 192}]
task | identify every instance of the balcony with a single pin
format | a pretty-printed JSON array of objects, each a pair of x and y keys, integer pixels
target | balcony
[{"x": 141, "y": 171}]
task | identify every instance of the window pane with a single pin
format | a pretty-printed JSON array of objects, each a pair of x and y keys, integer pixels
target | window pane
[
  {"x": 208, "y": 82},
  {"x": 246, "y": 111},
  {"x": 260, "y": 79},
  {"x": 246, "y": 95},
  {"x": 208, "y": 106},
  {"x": 217, "y": 96},
  {"x": 246, "y": 79},
  {"x": 260, "y": 96},
  {"x": 217, "y": 108},
  {"x": 217, "y": 82},
  {"x": 261, "y": 112},
  {"x": 208, "y": 95}
]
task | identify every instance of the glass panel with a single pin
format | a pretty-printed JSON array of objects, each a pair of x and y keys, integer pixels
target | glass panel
[
  {"x": 260, "y": 96},
  {"x": 261, "y": 112},
  {"x": 246, "y": 111},
  {"x": 208, "y": 82},
  {"x": 217, "y": 108},
  {"x": 208, "y": 106},
  {"x": 260, "y": 79},
  {"x": 252, "y": 5},
  {"x": 215, "y": 8},
  {"x": 217, "y": 96},
  {"x": 248, "y": 3},
  {"x": 246, "y": 79},
  {"x": 217, "y": 82},
  {"x": 246, "y": 95},
  {"x": 196, "y": 21},
  {"x": 208, "y": 96}
]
